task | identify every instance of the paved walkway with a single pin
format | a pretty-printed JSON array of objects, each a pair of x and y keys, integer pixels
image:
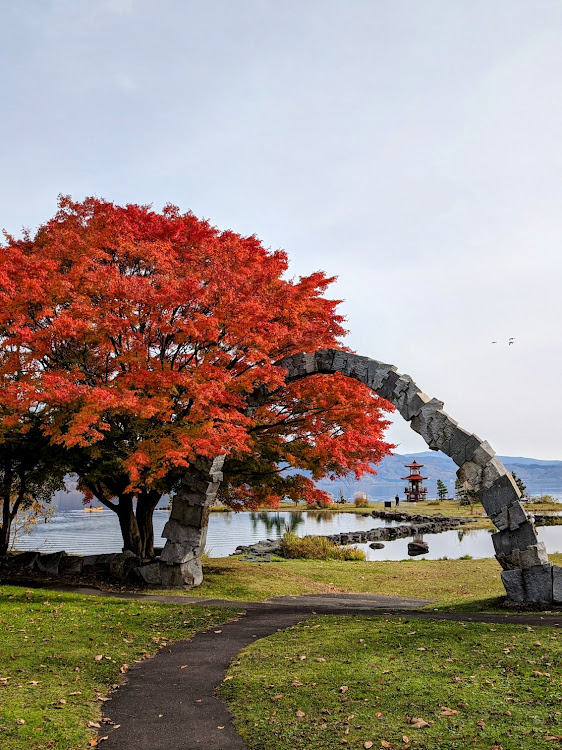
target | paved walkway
[{"x": 169, "y": 701}]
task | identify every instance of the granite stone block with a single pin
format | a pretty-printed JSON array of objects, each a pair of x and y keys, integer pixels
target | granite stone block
[{"x": 506, "y": 541}]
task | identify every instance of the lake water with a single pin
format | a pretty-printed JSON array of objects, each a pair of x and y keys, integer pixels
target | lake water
[{"x": 93, "y": 533}]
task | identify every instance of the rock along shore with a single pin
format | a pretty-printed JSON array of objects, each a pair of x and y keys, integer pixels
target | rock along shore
[{"x": 263, "y": 550}]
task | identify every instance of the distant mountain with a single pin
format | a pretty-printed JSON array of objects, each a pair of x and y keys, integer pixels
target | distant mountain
[{"x": 539, "y": 476}]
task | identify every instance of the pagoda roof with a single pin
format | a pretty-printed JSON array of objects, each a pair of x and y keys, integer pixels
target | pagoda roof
[{"x": 415, "y": 464}]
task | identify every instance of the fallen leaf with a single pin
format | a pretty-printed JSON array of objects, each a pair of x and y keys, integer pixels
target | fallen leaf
[
  {"x": 99, "y": 657},
  {"x": 93, "y": 725},
  {"x": 228, "y": 677},
  {"x": 405, "y": 738},
  {"x": 446, "y": 711},
  {"x": 419, "y": 723},
  {"x": 296, "y": 683},
  {"x": 422, "y": 648},
  {"x": 384, "y": 743},
  {"x": 300, "y": 714},
  {"x": 367, "y": 744},
  {"x": 320, "y": 658},
  {"x": 481, "y": 724},
  {"x": 20, "y": 721},
  {"x": 344, "y": 689}
]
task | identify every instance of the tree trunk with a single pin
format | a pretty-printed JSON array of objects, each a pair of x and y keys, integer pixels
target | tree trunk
[
  {"x": 146, "y": 503},
  {"x": 7, "y": 516},
  {"x": 5, "y": 535},
  {"x": 128, "y": 524}
]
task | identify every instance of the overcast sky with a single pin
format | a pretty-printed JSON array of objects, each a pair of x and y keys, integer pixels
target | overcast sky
[{"x": 412, "y": 148}]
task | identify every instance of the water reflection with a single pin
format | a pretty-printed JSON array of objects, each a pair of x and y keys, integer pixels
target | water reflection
[
  {"x": 92, "y": 533},
  {"x": 278, "y": 523}
]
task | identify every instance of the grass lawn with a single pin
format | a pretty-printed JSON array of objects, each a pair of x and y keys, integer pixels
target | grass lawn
[
  {"x": 60, "y": 654},
  {"x": 373, "y": 683},
  {"x": 473, "y": 584}
]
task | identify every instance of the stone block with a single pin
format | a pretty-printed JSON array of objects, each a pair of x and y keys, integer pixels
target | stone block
[
  {"x": 175, "y": 553},
  {"x": 71, "y": 565},
  {"x": 463, "y": 447},
  {"x": 377, "y": 375},
  {"x": 506, "y": 541},
  {"x": 176, "y": 576},
  {"x": 510, "y": 517},
  {"x": 492, "y": 471},
  {"x": 502, "y": 492},
  {"x": 187, "y": 514},
  {"x": 387, "y": 386},
  {"x": 123, "y": 563},
  {"x": 533, "y": 556},
  {"x": 482, "y": 454},
  {"x": 194, "y": 483},
  {"x": 150, "y": 573},
  {"x": 471, "y": 473},
  {"x": 412, "y": 402},
  {"x": 186, "y": 535},
  {"x": 513, "y": 584},
  {"x": 50, "y": 563},
  {"x": 456, "y": 444},
  {"x": 323, "y": 360},
  {"x": 23, "y": 560},
  {"x": 524, "y": 558},
  {"x": 537, "y": 583},
  {"x": 433, "y": 424},
  {"x": 557, "y": 584},
  {"x": 106, "y": 559}
]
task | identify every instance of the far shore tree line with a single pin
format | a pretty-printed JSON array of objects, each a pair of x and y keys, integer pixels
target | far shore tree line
[{"x": 135, "y": 343}]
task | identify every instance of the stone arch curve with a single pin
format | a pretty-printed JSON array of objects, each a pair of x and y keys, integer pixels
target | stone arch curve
[{"x": 527, "y": 574}]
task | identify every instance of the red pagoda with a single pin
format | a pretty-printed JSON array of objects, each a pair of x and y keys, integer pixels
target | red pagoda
[{"x": 415, "y": 490}]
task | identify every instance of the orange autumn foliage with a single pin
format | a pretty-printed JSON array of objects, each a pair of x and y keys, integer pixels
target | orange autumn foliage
[{"x": 159, "y": 326}]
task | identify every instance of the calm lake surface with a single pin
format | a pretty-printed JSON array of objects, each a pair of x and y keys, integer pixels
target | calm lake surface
[{"x": 92, "y": 533}]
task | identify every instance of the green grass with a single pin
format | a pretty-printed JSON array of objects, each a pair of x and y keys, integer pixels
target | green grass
[
  {"x": 312, "y": 547},
  {"x": 347, "y": 682},
  {"x": 60, "y": 655},
  {"x": 454, "y": 584},
  {"x": 447, "y": 582}
]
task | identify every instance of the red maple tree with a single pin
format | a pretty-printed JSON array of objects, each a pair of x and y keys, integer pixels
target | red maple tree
[{"x": 142, "y": 339}]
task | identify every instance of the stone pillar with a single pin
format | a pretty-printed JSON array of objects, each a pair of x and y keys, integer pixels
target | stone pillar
[{"x": 186, "y": 529}]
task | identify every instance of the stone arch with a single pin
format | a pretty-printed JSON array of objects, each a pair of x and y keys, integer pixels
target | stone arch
[{"x": 527, "y": 574}]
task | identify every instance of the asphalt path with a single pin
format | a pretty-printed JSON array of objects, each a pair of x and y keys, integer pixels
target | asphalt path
[{"x": 168, "y": 701}]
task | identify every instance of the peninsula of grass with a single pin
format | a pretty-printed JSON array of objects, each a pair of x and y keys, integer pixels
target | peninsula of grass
[
  {"x": 61, "y": 654},
  {"x": 453, "y": 584},
  {"x": 373, "y": 683}
]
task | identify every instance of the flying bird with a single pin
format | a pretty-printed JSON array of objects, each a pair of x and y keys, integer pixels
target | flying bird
[
  {"x": 494, "y": 342},
  {"x": 510, "y": 342}
]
